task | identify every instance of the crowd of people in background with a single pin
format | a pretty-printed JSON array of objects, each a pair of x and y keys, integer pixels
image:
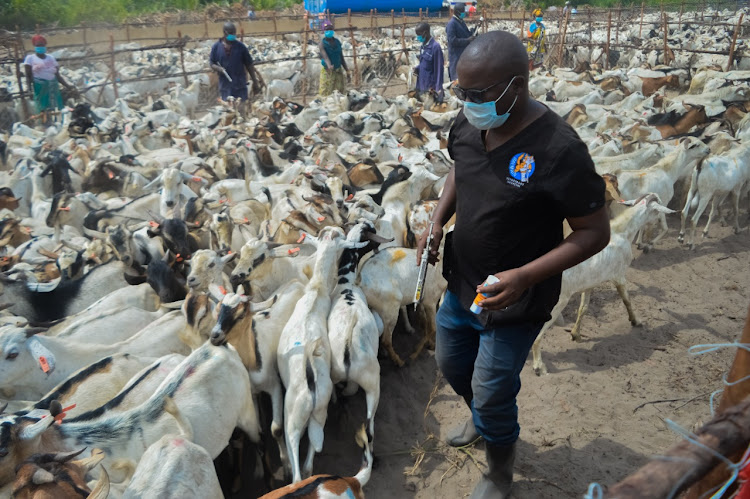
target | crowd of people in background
[{"x": 233, "y": 64}]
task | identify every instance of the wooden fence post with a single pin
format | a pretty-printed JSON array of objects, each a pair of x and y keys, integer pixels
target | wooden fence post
[
  {"x": 617, "y": 25},
  {"x": 562, "y": 39},
  {"x": 354, "y": 56},
  {"x": 85, "y": 42},
  {"x": 24, "y": 105},
  {"x": 523, "y": 19},
  {"x": 127, "y": 31},
  {"x": 304, "y": 62},
  {"x": 591, "y": 29},
  {"x": 734, "y": 41},
  {"x": 112, "y": 64},
  {"x": 182, "y": 56},
  {"x": 420, "y": 13},
  {"x": 485, "y": 23},
  {"x": 205, "y": 26},
  {"x": 166, "y": 29},
  {"x": 349, "y": 16},
  {"x": 609, "y": 31},
  {"x": 405, "y": 52},
  {"x": 393, "y": 22},
  {"x": 679, "y": 21},
  {"x": 275, "y": 30},
  {"x": 640, "y": 30},
  {"x": 666, "y": 33}
]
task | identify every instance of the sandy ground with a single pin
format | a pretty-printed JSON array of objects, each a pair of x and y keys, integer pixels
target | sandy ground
[{"x": 581, "y": 423}]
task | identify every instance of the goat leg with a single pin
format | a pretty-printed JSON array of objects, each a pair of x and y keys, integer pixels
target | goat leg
[
  {"x": 582, "y": 308},
  {"x": 623, "y": 290}
]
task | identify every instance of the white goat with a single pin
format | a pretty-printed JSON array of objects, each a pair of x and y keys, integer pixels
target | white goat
[
  {"x": 608, "y": 265},
  {"x": 712, "y": 181},
  {"x": 304, "y": 354}
]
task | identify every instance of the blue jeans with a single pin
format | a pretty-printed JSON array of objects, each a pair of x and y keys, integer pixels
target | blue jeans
[{"x": 484, "y": 366}]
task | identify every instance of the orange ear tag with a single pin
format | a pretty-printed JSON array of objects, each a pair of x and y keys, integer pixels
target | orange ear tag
[
  {"x": 153, "y": 224},
  {"x": 293, "y": 251},
  {"x": 320, "y": 219},
  {"x": 350, "y": 197},
  {"x": 43, "y": 364},
  {"x": 301, "y": 238}
]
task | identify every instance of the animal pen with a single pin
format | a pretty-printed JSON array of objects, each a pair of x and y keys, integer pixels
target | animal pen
[{"x": 371, "y": 68}]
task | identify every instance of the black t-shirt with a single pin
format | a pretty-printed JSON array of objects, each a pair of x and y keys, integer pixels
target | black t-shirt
[{"x": 510, "y": 205}]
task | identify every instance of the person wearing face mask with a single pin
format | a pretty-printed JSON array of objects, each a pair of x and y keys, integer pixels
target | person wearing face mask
[
  {"x": 430, "y": 70},
  {"x": 537, "y": 43},
  {"x": 43, "y": 76},
  {"x": 231, "y": 59},
  {"x": 459, "y": 37},
  {"x": 332, "y": 75},
  {"x": 519, "y": 171}
]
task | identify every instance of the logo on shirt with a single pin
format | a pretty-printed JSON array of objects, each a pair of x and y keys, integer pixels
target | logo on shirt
[{"x": 521, "y": 168}]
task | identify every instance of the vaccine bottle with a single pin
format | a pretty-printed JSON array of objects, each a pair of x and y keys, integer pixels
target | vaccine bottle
[{"x": 476, "y": 306}]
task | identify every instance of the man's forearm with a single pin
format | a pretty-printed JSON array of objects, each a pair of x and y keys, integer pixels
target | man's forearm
[{"x": 577, "y": 247}]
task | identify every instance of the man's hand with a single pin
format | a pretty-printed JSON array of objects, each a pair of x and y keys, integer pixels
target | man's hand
[
  {"x": 416, "y": 71},
  {"x": 256, "y": 87},
  {"x": 437, "y": 236},
  {"x": 507, "y": 292}
]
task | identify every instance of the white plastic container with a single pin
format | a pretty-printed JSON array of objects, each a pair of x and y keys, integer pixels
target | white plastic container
[{"x": 476, "y": 306}]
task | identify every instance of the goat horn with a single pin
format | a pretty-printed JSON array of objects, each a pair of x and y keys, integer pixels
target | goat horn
[
  {"x": 31, "y": 331},
  {"x": 173, "y": 305},
  {"x": 101, "y": 490},
  {"x": 3, "y": 407},
  {"x": 72, "y": 246},
  {"x": 64, "y": 457},
  {"x": 94, "y": 234}
]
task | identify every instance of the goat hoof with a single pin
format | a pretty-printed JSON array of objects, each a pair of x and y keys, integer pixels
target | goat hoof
[
  {"x": 647, "y": 248},
  {"x": 540, "y": 370},
  {"x": 636, "y": 323},
  {"x": 692, "y": 246},
  {"x": 576, "y": 337},
  {"x": 705, "y": 234},
  {"x": 681, "y": 238}
]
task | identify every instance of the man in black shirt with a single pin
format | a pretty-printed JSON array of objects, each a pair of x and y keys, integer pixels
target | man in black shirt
[{"x": 519, "y": 171}]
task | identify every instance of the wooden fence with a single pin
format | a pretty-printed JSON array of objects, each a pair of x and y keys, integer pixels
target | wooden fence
[{"x": 574, "y": 30}]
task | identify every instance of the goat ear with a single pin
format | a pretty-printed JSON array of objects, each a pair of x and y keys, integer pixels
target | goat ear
[
  {"x": 662, "y": 209},
  {"x": 228, "y": 258},
  {"x": 375, "y": 238},
  {"x": 35, "y": 430},
  {"x": 153, "y": 182},
  {"x": 260, "y": 306},
  {"x": 89, "y": 463},
  {"x": 216, "y": 292}
]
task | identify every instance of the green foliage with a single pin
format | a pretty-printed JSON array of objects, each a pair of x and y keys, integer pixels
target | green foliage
[{"x": 27, "y": 13}]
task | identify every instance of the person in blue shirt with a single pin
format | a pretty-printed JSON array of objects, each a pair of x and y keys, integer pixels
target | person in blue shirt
[
  {"x": 430, "y": 70},
  {"x": 332, "y": 75},
  {"x": 231, "y": 59},
  {"x": 459, "y": 37}
]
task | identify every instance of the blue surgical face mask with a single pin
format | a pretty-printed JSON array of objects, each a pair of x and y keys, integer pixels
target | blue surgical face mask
[
  {"x": 462, "y": 15},
  {"x": 484, "y": 115},
  {"x": 328, "y": 33},
  {"x": 538, "y": 19},
  {"x": 231, "y": 38},
  {"x": 40, "y": 50},
  {"x": 420, "y": 38}
]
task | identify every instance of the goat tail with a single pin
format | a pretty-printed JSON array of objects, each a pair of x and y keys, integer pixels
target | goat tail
[
  {"x": 312, "y": 349},
  {"x": 693, "y": 197},
  {"x": 186, "y": 429},
  {"x": 363, "y": 476},
  {"x": 268, "y": 194}
]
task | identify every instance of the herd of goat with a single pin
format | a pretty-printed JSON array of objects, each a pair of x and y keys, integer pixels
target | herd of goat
[{"x": 160, "y": 272}]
